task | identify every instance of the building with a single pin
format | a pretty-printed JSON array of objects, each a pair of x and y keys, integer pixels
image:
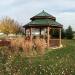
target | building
[{"x": 44, "y": 22}]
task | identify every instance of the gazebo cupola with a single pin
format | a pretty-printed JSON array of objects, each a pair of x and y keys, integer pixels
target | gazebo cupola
[
  {"x": 46, "y": 21},
  {"x": 43, "y": 15}
]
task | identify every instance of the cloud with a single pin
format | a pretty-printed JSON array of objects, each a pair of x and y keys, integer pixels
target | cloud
[
  {"x": 5, "y": 2},
  {"x": 67, "y": 18},
  {"x": 23, "y": 10}
]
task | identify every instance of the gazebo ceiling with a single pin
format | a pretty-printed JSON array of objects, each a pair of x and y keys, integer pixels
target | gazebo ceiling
[{"x": 43, "y": 19}]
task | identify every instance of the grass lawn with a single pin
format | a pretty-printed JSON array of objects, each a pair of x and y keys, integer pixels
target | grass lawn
[{"x": 53, "y": 62}]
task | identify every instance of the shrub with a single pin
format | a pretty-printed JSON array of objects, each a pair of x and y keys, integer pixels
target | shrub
[
  {"x": 40, "y": 45},
  {"x": 23, "y": 43},
  {"x": 27, "y": 46},
  {"x": 17, "y": 43}
]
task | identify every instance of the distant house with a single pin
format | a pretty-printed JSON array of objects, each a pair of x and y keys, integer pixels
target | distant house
[{"x": 44, "y": 22}]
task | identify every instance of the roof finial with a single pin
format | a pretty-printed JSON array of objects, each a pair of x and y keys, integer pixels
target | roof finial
[{"x": 43, "y": 10}]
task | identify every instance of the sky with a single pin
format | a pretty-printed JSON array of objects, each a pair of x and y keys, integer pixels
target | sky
[{"x": 23, "y": 10}]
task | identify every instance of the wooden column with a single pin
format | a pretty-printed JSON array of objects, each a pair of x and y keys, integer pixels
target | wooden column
[
  {"x": 48, "y": 37},
  {"x": 60, "y": 36},
  {"x": 25, "y": 31},
  {"x": 31, "y": 34},
  {"x": 40, "y": 31}
]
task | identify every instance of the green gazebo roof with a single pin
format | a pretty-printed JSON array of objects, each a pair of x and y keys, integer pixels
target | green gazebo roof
[
  {"x": 43, "y": 19},
  {"x": 43, "y": 14},
  {"x": 43, "y": 22}
]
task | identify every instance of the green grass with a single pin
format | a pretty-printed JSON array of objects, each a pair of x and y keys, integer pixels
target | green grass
[
  {"x": 3, "y": 36},
  {"x": 74, "y": 35},
  {"x": 54, "y": 62}
]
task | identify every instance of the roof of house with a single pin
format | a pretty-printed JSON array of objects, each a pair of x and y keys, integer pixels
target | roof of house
[{"x": 43, "y": 19}]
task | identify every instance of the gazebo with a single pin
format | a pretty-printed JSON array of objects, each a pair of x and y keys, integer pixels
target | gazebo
[{"x": 47, "y": 22}]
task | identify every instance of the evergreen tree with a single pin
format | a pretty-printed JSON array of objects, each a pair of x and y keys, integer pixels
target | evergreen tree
[
  {"x": 62, "y": 33},
  {"x": 69, "y": 33}
]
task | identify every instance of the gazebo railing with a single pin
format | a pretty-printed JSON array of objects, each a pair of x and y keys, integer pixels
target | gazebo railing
[{"x": 54, "y": 42}]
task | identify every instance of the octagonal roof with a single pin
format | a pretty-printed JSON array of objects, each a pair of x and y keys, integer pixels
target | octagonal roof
[
  {"x": 43, "y": 14},
  {"x": 43, "y": 19}
]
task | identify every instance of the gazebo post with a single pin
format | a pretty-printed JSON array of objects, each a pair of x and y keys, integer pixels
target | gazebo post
[
  {"x": 25, "y": 31},
  {"x": 40, "y": 31},
  {"x": 60, "y": 36},
  {"x": 48, "y": 37},
  {"x": 31, "y": 34}
]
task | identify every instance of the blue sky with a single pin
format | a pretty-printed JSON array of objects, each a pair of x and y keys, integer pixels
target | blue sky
[{"x": 23, "y": 10}]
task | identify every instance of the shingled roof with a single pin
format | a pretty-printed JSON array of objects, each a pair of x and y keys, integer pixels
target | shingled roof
[
  {"x": 43, "y": 15},
  {"x": 43, "y": 19}
]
